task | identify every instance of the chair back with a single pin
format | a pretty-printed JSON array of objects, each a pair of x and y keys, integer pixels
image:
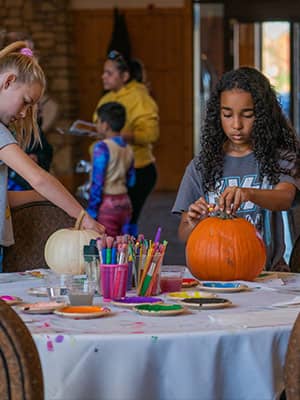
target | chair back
[
  {"x": 33, "y": 223},
  {"x": 21, "y": 375},
  {"x": 294, "y": 262},
  {"x": 292, "y": 364}
]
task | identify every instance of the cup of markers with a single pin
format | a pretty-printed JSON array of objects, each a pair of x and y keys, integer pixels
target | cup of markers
[
  {"x": 125, "y": 260},
  {"x": 113, "y": 278}
]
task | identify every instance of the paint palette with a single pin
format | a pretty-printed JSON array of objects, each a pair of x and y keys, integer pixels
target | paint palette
[
  {"x": 41, "y": 307},
  {"x": 211, "y": 303},
  {"x": 11, "y": 300},
  {"x": 189, "y": 282},
  {"x": 189, "y": 294},
  {"x": 160, "y": 310},
  {"x": 132, "y": 301},
  {"x": 223, "y": 287},
  {"x": 82, "y": 312}
]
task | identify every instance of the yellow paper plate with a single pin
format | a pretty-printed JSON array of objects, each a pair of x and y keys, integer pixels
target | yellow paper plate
[{"x": 189, "y": 294}]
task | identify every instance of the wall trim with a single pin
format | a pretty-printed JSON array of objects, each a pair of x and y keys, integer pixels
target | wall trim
[{"x": 100, "y": 4}]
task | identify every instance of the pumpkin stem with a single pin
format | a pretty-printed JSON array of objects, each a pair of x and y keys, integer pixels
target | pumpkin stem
[
  {"x": 223, "y": 215},
  {"x": 79, "y": 220}
]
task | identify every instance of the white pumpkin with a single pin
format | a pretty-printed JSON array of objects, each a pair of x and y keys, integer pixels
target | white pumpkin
[{"x": 64, "y": 249}]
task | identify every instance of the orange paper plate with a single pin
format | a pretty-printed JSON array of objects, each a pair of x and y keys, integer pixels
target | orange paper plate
[{"x": 82, "y": 312}]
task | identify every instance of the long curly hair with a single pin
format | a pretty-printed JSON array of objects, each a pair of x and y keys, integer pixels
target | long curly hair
[{"x": 273, "y": 137}]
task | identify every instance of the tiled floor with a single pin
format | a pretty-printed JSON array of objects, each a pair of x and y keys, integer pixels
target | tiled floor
[{"x": 157, "y": 212}]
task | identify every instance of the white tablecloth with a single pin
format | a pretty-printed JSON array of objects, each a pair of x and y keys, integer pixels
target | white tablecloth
[{"x": 229, "y": 354}]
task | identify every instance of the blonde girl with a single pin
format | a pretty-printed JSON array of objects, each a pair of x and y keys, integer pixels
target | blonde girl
[{"x": 22, "y": 83}]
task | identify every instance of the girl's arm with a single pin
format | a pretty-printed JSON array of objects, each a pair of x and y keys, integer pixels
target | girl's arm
[
  {"x": 278, "y": 199},
  {"x": 45, "y": 184},
  {"x": 16, "y": 198}
]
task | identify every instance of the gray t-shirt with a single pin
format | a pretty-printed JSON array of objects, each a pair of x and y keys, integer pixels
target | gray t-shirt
[
  {"x": 6, "y": 231},
  {"x": 242, "y": 172}
]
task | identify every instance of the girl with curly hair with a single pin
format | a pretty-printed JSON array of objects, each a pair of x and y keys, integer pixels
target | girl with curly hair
[{"x": 248, "y": 161}]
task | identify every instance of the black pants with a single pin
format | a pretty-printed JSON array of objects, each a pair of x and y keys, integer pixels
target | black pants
[{"x": 145, "y": 181}]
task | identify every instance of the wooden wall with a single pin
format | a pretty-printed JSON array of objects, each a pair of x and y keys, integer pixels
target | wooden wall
[{"x": 162, "y": 39}]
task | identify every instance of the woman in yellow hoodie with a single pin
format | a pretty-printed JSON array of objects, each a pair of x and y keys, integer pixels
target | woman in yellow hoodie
[{"x": 141, "y": 129}]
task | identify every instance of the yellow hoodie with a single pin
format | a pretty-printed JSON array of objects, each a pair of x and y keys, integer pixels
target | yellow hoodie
[{"x": 141, "y": 119}]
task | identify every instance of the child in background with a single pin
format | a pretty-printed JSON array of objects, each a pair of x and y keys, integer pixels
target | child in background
[
  {"x": 248, "y": 162},
  {"x": 141, "y": 129},
  {"x": 22, "y": 83},
  {"x": 113, "y": 172}
]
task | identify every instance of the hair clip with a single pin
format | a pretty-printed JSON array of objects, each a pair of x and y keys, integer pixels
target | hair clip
[{"x": 26, "y": 51}]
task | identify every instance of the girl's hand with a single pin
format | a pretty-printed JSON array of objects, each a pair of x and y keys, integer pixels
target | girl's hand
[
  {"x": 89, "y": 223},
  {"x": 231, "y": 199},
  {"x": 198, "y": 211}
]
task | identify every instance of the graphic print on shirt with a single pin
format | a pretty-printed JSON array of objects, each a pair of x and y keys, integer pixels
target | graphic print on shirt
[{"x": 248, "y": 210}]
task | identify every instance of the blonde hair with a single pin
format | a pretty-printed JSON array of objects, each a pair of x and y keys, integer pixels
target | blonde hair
[{"x": 27, "y": 71}]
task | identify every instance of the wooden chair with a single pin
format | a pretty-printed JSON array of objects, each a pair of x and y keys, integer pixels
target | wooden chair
[
  {"x": 292, "y": 364},
  {"x": 294, "y": 262},
  {"x": 21, "y": 375},
  {"x": 33, "y": 223}
]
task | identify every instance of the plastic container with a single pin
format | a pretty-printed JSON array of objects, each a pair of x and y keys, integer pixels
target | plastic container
[
  {"x": 80, "y": 291},
  {"x": 113, "y": 278},
  {"x": 171, "y": 278},
  {"x": 56, "y": 286},
  {"x": 91, "y": 264}
]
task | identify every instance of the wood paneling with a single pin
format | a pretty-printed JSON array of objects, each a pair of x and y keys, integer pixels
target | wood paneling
[
  {"x": 246, "y": 45},
  {"x": 162, "y": 39}
]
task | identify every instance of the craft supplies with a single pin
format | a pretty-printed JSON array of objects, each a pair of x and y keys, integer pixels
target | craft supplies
[
  {"x": 82, "y": 312},
  {"x": 80, "y": 291},
  {"x": 56, "y": 286},
  {"x": 223, "y": 287},
  {"x": 142, "y": 257},
  {"x": 132, "y": 301},
  {"x": 204, "y": 303},
  {"x": 11, "y": 300},
  {"x": 113, "y": 281},
  {"x": 171, "y": 278},
  {"x": 91, "y": 263},
  {"x": 41, "y": 307},
  {"x": 189, "y": 282},
  {"x": 158, "y": 310}
]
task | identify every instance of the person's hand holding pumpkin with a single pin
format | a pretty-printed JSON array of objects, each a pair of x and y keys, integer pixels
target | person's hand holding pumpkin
[
  {"x": 89, "y": 223},
  {"x": 231, "y": 199},
  {"x": 198, "y": 211}
]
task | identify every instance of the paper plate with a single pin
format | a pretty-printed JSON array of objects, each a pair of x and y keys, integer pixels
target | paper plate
[
  {"x": 11, "y": 300},
  {"x": 206, "y": 303},
  {"x": 189, "y": 282},
  {"x": 41, "y": 307},
  {"x": 82, "y": 312},
  {"x": 38, "y": 291},
  {"x": 160, "y": 310},
  {"x": 223, "y": 287},
  {"x": 132, "y": 301},
  {"x": 185, "y": 295}
]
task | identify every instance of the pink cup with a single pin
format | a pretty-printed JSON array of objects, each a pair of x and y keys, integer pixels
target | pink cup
[{"x": 113, "y": 280}]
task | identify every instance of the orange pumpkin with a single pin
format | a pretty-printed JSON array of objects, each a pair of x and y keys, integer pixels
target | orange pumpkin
[{"x": 225, "y": 249}]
